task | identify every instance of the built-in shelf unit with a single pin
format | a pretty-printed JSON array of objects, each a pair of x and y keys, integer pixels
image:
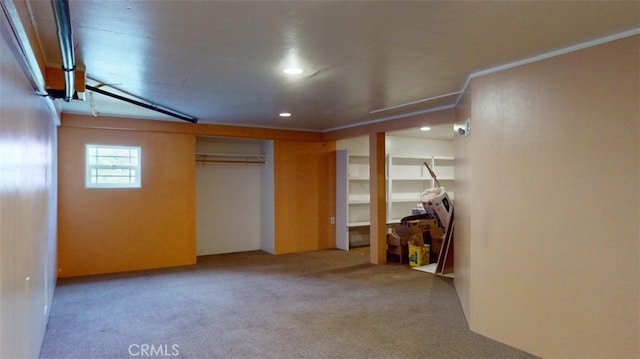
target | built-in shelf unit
[{"x": 406, "y": 178}]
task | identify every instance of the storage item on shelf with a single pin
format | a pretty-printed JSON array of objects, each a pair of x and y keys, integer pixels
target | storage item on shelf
[
  {"x": 419, "y": 209},
  {"x": 425, "y": 222},
  {"x": 418, "y": 255},
  {"x": 437, "y": 204},
  {"x": 418, "y": 250},
  {"x": 398, "y": 240},
  {"x": 431, "y": 233},
  {"x": 439, "y": 238},
  {"x": 407, "y": 177},
  {"x": 397, "y": 247}
]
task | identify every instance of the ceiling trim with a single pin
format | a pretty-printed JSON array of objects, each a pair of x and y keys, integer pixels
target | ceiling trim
[
  {"x": 544, "y": 56},
  {"x": 547, "y": 55},
  {"x": 392, "y": 117},
  {"x": 414, "y": 102}
]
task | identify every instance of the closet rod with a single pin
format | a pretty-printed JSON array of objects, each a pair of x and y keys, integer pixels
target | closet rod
[
  {"x": 230, "y": 161},
  {"x": 203, "y": 154}
]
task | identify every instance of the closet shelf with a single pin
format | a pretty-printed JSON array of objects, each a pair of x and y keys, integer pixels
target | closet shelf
[{"x": 204, "y": 158}]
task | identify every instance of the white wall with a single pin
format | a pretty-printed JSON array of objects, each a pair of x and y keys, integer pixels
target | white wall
[
  {"x": 358, "y": 146},
  {"x": 267, "y": 204},
  {"x": 549, "y": 241},
  {"x": 228, "y": 199},
  {"x": 399, "y": 146},
  {"x": 416, "y": 147},
  {"x": 28, "y": 202}
]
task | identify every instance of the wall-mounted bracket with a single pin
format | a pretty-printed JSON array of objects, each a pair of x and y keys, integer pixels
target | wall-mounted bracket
[{"x": 465, "y": 130}]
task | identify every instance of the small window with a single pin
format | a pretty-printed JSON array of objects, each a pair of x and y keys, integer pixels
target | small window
[{"x": 113, "y": 166}]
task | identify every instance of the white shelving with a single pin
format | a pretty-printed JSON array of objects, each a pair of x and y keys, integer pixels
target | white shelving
[
  {"x": 407, "y": 177},
  {"x": 357, "y": 190},
  {"x": 353, "y": 200}
]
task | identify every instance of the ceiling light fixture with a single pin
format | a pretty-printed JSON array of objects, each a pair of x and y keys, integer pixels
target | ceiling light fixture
[
  {"x": 285, "y": 114},
  {"x": 293, "y": 71},
  {"x": 425, "y": 128}
]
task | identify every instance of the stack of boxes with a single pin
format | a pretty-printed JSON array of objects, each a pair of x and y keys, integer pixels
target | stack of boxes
[
  {"x": 401, "y": 234},
  {"x": 398, "y": 242},
  {"x": 431, "y": 227}
]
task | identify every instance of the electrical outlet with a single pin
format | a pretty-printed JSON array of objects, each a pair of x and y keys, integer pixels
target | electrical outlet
[{"x": 333, "y": 220}]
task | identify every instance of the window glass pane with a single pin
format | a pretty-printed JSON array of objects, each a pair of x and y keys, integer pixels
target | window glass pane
[
  {"x": 113, "y": 151},
  {"x": 92, "y": 159},
  {"x": 113, "y": 166}
]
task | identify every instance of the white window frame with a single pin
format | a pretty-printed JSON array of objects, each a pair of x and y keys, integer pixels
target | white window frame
[{"x": 93, "y": 166}]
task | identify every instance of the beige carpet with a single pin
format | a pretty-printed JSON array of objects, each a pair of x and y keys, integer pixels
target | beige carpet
[{"x": 324, "y": 304}]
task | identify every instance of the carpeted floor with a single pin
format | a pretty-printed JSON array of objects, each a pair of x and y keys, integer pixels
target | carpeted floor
[{"x": 324, "y": 304}]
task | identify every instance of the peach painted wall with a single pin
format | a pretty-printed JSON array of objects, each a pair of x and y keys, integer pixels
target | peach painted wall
[
  {"x": 27, "y": 209},
  {"x": 464, "y": 182},
  {"x": 115, "y": 230},
  {"x": 162, "y": 213},
  {"x": 304, "y": 195},
  {"x": 551, "y": 205}
]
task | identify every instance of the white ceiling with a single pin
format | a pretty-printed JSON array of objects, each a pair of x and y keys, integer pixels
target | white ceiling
[{"x": 221, "y": 61}]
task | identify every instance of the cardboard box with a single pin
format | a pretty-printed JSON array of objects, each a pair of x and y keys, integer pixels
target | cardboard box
[
  {"x": 397, "y": 247},
  {"x": 395, "y": 239},
  {"x": 424, "y": 224},
  {"x": 436, "y": 232},
  {"x": 437, "y": 204},
  {"x": 405, "y": 233},
  {"x": 436, "y": 247},
  {"x": 398, "y": 253},
  {"x": 418, "y": 255}
]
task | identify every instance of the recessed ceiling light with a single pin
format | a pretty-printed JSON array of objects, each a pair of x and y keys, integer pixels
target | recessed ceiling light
[
  {"x": 293, "y": 71},
  {"x": 285, "y": 114},
  {"x": 425, "y": 128}
]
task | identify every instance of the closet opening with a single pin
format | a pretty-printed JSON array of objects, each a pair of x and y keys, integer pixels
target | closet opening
[{"x": 234, "y": 195}]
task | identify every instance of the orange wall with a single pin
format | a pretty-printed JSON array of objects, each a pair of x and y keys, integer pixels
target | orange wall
[
  {"x": 304, "y": 195},
  {"x": 114, "y": 230},
  {"x": 551, "y": 205},
  {"x": 200, "y": 129},
  {"x": 107, "y": 230}
]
